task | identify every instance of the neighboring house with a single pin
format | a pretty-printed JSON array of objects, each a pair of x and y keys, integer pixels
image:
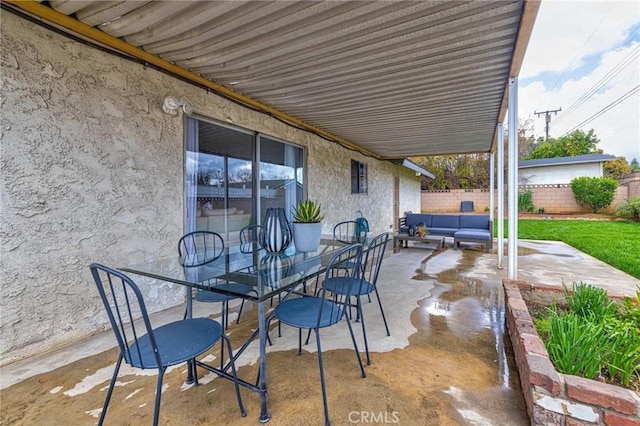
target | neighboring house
[{"x": 561, "y": 170}]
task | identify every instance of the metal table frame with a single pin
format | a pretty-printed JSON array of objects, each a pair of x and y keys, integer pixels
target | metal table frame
[{"x": 236, "y": 266}]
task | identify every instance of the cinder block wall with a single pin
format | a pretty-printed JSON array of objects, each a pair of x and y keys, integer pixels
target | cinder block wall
[{"x": 558, "y": 199}]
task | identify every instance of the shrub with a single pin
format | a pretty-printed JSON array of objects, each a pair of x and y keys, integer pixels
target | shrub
[
  {"x": 596, "y": 337},
  {"x": 525, "y": 201},
  {"x": 589, "y": 302},
  {"x": 630, "y": 209},
  {"x": 594, "y": 192},
  {"x": 569, "y": 335}
]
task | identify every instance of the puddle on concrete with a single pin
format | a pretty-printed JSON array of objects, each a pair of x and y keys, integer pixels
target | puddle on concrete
[
  {"x": 464, "y": 317},
  {"x": 455, "y": 370}
]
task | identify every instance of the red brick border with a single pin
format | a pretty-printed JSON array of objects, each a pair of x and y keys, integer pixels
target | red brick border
[{"x": 553, "y": 398}]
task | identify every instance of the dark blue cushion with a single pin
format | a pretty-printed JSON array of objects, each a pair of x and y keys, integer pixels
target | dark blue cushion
[
  {"x": 442, "y": 231},
  {"x": 445, "y": 221},
  {"x": 474, "y": 221},
  {"x": 415, "y": 219},
  {"x": 472, "y": 234}
]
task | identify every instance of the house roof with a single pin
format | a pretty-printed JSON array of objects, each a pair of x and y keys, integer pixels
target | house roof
[
  {"x": 587, "y": 158},
  {"x": 390, "y": 78}
]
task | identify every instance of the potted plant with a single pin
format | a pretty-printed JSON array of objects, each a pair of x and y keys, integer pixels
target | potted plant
[
  {"x": 306, "y": 225},
  {"x": 421, "y": 230}
]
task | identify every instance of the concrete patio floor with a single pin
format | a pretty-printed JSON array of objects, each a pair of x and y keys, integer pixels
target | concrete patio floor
[{"x": 447, "y": 362}]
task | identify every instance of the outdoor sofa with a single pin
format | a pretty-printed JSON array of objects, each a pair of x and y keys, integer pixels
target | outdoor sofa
[{"x": 463, "y": 228}]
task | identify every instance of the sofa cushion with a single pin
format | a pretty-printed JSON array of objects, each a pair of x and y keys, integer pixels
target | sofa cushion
[
  {"x": 472, "y": 234},
  {"x": 445, "y": 221},
  {"x": 474, "y": 221},
  {"x": 417, "y": 218},
  {"x": 442, "y": 231}
]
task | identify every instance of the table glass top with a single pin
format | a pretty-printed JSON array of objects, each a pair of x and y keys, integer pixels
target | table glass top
[{"x": 262, "y": 274}]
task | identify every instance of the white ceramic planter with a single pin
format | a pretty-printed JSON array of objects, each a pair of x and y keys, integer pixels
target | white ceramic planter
[{"x": 306, "y": 236}]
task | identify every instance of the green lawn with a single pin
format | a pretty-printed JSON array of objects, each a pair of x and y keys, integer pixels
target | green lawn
[{"x": 615, "y": 243}]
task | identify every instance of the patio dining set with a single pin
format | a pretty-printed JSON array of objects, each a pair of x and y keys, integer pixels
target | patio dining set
[{"x": 344, "y": 269}]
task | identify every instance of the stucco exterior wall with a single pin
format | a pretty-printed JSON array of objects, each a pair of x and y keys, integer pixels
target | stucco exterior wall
[
  {"x": 92, "y": 171},
  {"x": 562, "y": 174}
]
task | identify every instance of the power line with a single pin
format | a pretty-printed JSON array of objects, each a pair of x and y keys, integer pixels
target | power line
[
  {"x": 629, "y": 59},
  {"x": 605, "y": 109}
]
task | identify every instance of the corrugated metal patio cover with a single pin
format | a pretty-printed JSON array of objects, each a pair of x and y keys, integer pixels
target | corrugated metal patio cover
[{"x": 398, "y": 78}]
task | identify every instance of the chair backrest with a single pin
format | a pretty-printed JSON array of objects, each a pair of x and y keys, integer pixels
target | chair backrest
[
  {"x": 349, "y": 232},
  {"x": 124, "y": 303},
  {"x": 347, "y": 262},
  {"x": 373, "y": 258},
  {"x": 199, "y": 248},
  {"x": 250, "y": 239}
]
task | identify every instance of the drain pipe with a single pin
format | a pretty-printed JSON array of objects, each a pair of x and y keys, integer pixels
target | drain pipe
[
  {"x": 513, "y": 180},
  {"x": 500, "y": 213}
]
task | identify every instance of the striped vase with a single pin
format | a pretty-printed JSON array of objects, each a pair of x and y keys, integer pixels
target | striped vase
[{"x": 275, "y": 235}]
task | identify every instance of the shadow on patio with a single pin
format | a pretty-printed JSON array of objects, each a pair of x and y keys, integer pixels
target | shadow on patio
[{"x": 447, "y": 361}]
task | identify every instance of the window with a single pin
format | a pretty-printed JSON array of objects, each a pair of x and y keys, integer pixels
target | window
[
  {"x": 233, "y": 175},
  {"x": 358, "y": 177}
]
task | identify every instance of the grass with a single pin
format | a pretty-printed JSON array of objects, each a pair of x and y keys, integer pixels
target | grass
[{"x": 615, "y": 243}]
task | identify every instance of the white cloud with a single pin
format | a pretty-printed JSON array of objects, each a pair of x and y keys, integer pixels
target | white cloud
[
  {"x": 566, "y": 32},
  {"x": 564, "y": 28}
]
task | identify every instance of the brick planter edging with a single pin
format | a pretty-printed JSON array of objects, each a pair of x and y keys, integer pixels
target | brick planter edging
[{"x": 553, "y": 398}]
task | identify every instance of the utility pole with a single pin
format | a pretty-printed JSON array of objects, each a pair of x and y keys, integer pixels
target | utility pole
[{"x": 547, "y": 117}]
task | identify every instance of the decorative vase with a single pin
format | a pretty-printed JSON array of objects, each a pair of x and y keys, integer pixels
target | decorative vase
[
  {"x": 275, "y": 235},
  {"x": 412, "y": 230},
  {"x": 306, "y": 236},
  {"x": 274, "y": 268}
]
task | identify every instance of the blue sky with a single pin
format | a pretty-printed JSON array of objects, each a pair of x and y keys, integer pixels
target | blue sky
[{"x": 584, "y": 58}]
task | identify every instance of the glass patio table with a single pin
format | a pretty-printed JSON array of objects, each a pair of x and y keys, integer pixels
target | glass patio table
[{"x": 270, "y": 274}]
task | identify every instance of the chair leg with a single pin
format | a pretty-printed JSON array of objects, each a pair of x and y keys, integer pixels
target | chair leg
[
  {"x": 324, "y": 392},
  {"x": 364, "y": 330},
  {"x": 193, "y": 372},
  {"x": 306, "y": 342},
  {"x": 384, "y": 318},
  {"x": 355, "y": 347},
  {"x": 224, "y": 327},
  {"x": 300, "y": 340},
  {"x": 156, "y": 409},
  {"x": 235, "y": 376},
  {"x": 110, "y": 391},
  {"x": 240, "y": 312}
]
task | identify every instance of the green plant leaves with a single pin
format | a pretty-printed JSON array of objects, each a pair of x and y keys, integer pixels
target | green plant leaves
[
  {"x": 596, "y": 336},
  {"x": 307, "y": 211}
]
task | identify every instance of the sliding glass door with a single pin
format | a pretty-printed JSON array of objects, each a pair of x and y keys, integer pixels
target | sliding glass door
[
  {"x": 232, "y": 176},
  {"x": 281, "y": 175}
]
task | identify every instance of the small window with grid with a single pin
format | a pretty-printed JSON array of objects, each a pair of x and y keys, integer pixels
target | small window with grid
[{"x": 358, "y": 177}]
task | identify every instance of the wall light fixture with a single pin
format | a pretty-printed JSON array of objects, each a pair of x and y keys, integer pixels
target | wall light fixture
[{"x": 172, "y": 105}]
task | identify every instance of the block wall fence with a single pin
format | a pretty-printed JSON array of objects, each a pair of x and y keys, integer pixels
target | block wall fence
[{"x": 555, "y": 199}]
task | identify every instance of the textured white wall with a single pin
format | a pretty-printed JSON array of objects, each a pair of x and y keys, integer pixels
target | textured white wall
[
  {"x": 559, "y": 174},
  {"x": 92, "y": 171}
]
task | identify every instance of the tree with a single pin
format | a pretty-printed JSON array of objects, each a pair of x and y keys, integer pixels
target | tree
[
  {"x": 635, "y": 167},
  {"x": 576, "y": 143},
  {"x": 595, "y": 192},
  {"x": 616, "y": 169}
]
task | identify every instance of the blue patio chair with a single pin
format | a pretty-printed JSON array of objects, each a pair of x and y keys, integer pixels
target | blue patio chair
[
  {"x": 365, "y": 284},
  {"x": 142, "y": 346},
  {"x": 199, "y": 248},
  {"x": 349, "y": 232},
  {"x": 316, "y": 312}
]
